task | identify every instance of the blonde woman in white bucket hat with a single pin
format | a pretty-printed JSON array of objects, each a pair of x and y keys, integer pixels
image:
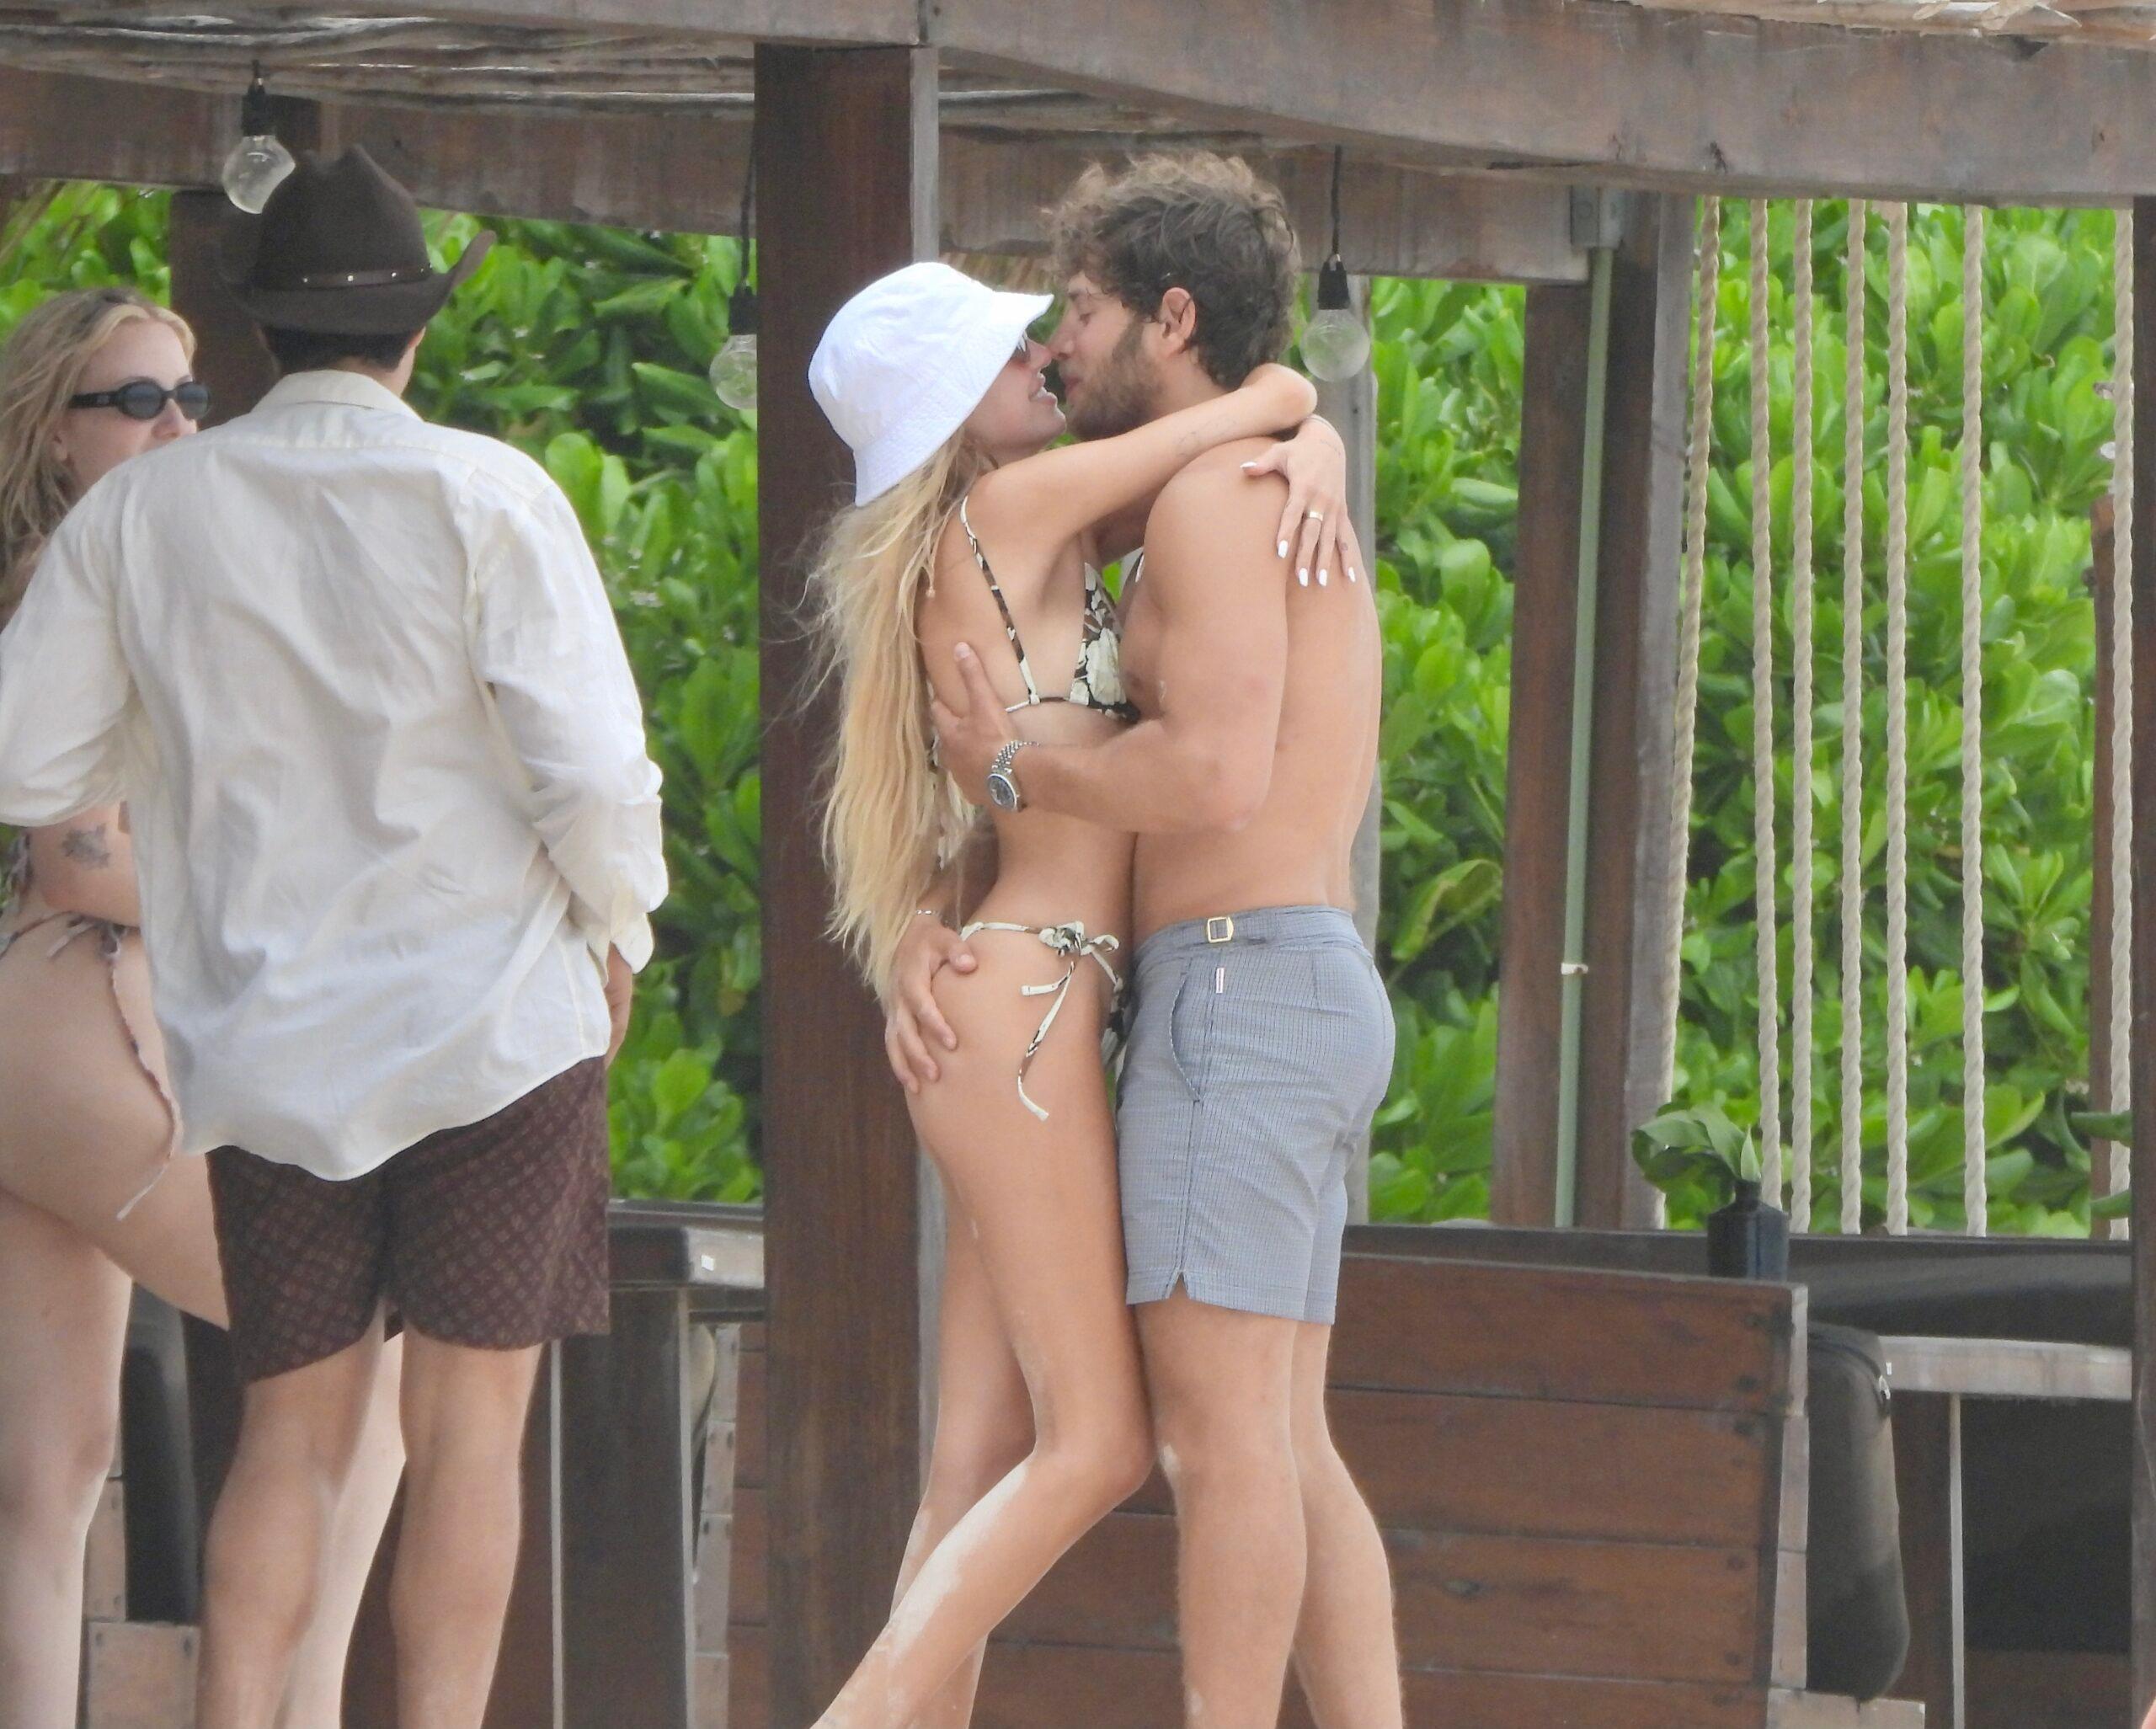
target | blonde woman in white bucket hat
[{"x": 966, "y": 525}]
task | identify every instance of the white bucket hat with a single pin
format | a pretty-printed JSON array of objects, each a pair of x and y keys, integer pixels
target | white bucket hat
[{"x": 906, "y": 360}]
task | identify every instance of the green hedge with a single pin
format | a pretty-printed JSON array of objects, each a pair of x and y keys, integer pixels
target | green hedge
[{"x": 588, "y": 348}]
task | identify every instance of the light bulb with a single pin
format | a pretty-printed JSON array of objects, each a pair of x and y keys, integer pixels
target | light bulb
[
  {"x": 254, "y": 170},
  {"x": 734, "y": 374},
  {"x": 259, "y": 161},
  {"x": 734, "y": 369},
  {"x": 1335, "y": 343}
]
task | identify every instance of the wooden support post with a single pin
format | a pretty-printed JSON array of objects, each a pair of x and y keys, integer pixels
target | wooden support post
[
  {"x": 1634, "y": 649},
  {"x": 628, "y": 1641},
  {"x": 2144, "y": 1055},
  {"x": 1630, "y": 946},
  {"x": 1927, "y": 1492},
  {"x": 1351, "y": 406},
  {"x": 1545, "y": 597},
  {"x": 845, "y": 170}
]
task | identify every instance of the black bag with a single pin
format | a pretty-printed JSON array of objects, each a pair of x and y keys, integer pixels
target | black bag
[{"x": 1858, "y": 1619}]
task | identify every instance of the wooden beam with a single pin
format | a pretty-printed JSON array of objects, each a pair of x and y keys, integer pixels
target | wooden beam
[
  {"x": 1584, "y": 89},
  {"x": 846, "y": 149},
  {"x": 683, "y": 171},
  {"x": 2143, "y": 961},
  {"x": 1537, "y": 762},
  {"x": 1395, "y": 222},
  {"x": 829, "y": 21},
  {"x": 1629, "y": 948},
  {"x": 1596, "y": 89}
]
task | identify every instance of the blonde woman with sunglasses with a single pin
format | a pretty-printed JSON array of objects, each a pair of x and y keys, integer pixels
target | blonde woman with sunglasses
[{"x": 92, "y": 1200}]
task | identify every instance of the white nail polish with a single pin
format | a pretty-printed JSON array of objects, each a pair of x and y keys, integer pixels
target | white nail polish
[
  {"x": 1352, "y": 577},
  {"x": 1282, "y": 551},
  {"x": 1304, "y": 577},
  {"x": 1320, "y": 578}
]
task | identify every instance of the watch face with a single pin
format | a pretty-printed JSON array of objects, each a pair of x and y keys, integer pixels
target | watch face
[{"x": 1003, "y": 792}]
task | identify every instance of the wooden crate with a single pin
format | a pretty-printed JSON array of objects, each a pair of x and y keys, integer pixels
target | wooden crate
[{"x": 1591, "y": 1485}]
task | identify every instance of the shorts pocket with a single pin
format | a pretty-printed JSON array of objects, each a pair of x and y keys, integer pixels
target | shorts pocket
[{"x": 1190, "y": 1026}]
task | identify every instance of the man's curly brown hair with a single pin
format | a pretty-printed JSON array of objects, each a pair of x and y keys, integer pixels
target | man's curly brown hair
[{"x": 1193, "y": 221}]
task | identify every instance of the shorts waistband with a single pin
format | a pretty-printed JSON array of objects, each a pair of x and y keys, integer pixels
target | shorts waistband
[{"x": 1253, "y": 926}]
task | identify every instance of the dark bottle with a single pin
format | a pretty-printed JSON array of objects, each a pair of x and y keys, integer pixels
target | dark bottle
[{"x": 1747, "y": 1240}]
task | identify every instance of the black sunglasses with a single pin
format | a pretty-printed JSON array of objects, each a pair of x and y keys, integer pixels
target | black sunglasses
[{"x": 139, "y": 399}]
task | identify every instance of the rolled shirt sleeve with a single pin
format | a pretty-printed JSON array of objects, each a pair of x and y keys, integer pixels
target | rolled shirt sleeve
[
  {"x": 65, "y": 688},
  {"x": 543, "y": 640}
]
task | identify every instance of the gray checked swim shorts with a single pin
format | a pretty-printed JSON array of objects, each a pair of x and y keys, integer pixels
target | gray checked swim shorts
[{"x": 1260, "y": 1046}]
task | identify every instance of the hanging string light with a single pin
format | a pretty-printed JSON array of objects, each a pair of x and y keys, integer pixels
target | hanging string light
[
  {"x": 734, "y": 368},
  {"x": 259, "y": 162},
  {"x": 1336, "y": 342}
]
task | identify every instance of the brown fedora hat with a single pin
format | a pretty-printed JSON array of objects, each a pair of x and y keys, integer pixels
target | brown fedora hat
[{"x": 338, "y": 249}]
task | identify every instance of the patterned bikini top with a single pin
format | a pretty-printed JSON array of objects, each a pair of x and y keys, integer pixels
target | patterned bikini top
[{"x": 1096, "y": 681}]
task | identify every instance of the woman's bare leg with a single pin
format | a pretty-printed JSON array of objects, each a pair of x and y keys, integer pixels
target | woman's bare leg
[
  {"x": 63, "y": 1324},
  {"x": 983, "y": 1429},
  {"x": 86, "y": 1135},
  {"x": 82, "y": 1130},
  {"x": 1044, "y": 1198}
]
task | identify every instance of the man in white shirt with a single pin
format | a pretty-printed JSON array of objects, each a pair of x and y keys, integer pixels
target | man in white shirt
[{"x": 357, "y": 678}]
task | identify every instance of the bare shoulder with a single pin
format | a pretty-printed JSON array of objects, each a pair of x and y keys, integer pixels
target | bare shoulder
[{"x": 1211, "y": 498}]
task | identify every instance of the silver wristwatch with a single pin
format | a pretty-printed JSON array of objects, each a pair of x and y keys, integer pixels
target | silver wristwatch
[{"x": 1002, "y": 785}]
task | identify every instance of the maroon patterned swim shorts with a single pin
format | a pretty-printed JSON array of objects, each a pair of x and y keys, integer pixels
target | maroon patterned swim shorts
[{"x": 491, "y": 1234}]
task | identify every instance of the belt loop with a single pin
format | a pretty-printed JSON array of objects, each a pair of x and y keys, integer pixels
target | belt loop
[{"x": 1220, "y": 929}]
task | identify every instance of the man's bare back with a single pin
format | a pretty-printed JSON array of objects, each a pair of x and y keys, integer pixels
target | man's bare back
[{"x": 1214, "y": 602}]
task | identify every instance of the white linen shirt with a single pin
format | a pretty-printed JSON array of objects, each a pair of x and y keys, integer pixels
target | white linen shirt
[{"x": 358, "y": 680}]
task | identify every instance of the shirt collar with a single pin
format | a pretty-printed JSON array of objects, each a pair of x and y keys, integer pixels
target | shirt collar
[{"x": 351, "y": 390}]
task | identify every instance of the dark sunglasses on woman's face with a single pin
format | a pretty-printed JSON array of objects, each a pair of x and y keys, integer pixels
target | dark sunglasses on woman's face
[{"x": 140, "y": 399}]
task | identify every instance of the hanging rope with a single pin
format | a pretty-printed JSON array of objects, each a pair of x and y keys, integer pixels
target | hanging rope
[
  {"x": 1897, "y": 719},
  {"x": 1766, "y": 898},
  {"x": 1852, "y": 1103},
  {"x": 1801, "y": 651},
  {"x": 1974, "y": 1206},
  {"x": 2122, "y": 1002},
  {"x": 1698, "y": 453}
]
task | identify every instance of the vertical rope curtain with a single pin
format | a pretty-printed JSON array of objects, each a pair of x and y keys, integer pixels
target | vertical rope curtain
[
  {"x": 1698, "y": 452},
  {"x": 1973, "y": 1139},
  {"x": 1767, "y": 911},
  {"x": 1800, "y": 653},
  {"x": 1897, "y": 719},
  {"x": 2120, "y": 1006},
  {"x": 1852, "y": 898}
]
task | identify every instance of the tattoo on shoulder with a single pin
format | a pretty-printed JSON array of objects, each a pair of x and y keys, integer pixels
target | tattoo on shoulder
[{"x": 86, "y": 846}]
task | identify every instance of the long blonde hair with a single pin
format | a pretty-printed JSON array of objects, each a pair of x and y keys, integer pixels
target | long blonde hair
[
  {"x": 891, "y": 816},
  {"x": 41, "y": 366}
]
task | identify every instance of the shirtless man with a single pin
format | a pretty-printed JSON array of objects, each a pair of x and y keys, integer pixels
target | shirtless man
[{"x": 1262, "y": 1037}]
